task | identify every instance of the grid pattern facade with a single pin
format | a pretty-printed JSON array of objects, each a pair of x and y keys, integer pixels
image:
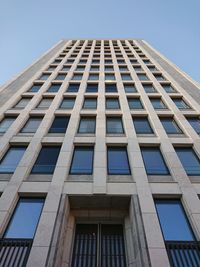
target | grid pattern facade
[{"x": 72, "y": 75}]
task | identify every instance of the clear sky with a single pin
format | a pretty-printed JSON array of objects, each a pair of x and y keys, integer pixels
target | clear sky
[{"x": 29, "y": 27}]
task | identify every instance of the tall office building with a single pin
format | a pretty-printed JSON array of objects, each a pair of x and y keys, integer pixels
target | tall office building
[{"x": 99, "y": 159}]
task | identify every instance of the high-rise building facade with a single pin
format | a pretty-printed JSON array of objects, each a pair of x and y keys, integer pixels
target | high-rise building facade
[{"x": 100, "y": 159}]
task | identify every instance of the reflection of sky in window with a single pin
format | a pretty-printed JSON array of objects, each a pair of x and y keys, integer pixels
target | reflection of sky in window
[
  {"x": 25, "y": 219},
  {"x": 173, "y": 221}
]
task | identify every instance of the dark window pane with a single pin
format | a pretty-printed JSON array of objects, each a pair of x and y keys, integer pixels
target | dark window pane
[
  {"x": 112, "y": 103},
  {"x": 118, "y": 161},
  {"x": 110, "y": 88},
  {"x": 87, "y": 125},
  {"x": 90, "y": 103},
  {"x": 54, "y": 88},
  {"x": 173, "y": 220},
  {"x": 60, "y": 77},
  {"x": 82, "y": 162},
  {"x": 92, "y": 88},
  {"x": 195, "y": 123},
  {"x": 189, "y": 160},
  {"x": 93, "y": 77},
  {"x": 142, "y": 126},
  {"x": 6, "y": 123},
  {"x": 129, "y": 88},
  {"x": 32, "y": 125},
  {"x": 142, "y": 77},
  {"x": 59, "y": 124},
  {"x": 9, "y": 162},
  {"x": 45, "y": 103},
  {"x": 73, "y": 87},
  {"x": 157, "y": 103},
  {"x": 153, "y": 161},
  {"x": 170, "y": 126},
  {"x": 77, "y": 76},
  {"x": 22, "y": 103},
  {"x": 109, "y": 77},
  {"x": 44, "y": 77},
  {"x": 114, "y": 125},
  {"x": 168, "y": 88},
  {"x": 159, "y": 77},
  {"x": 135, "y": 103},
  {"x": 149, "y": 88},
  {"x": 46, "y": 160},
  {"x": 25, "y": 218},
  {"x": 66, "y": 68},
  {"x": 67, "y": 103},
  {"x": 126, "y": 77},
  {"x": 35, "y": 88},
  {"x": 180, "y": 103}
]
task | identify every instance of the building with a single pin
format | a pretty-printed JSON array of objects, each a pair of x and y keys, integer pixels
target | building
[{"x": 100, "y": 166}]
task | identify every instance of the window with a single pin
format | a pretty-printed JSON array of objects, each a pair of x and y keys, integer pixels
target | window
[
  {"x": 94, "y": 68},
  {"x": 123, "y": 68},
  {"x": 6, "y": 123},
  {"x": 114, "y": 125},
  {"x": 35, "y": 88},
  {"x": 109, "y": 68},
  {"x": 129, "y": 88},
  {"x": 45, "y": 103},
  {"x": 51, "y": 68},
  {"x": 87, "y": 125},
  {"x": 195, "y": 123},
  {"x": 73, "y": 87},
  {"x": 77, "y": 76},
  {"x": 135, "y": 103},
  {"x": 153, "y": 161},
  {"x": 110, "y": 88},
  {"x": 159, "y": 77},
  {"x": 59, "y": 124},
  {"x": 101, "y": 237},
  {"x": 82, "y": 162},
  {"x": 112, "y": 103},
  {"x": 137, "y": 68},
  {"x": 25, "y": 218},
  {"x": 109, "y": 77},
  {"x": 66, "y": 68},
  {"x": 170, "y": 126},
  {"x": 142, "y": 126},
  {"x": 67, "y": 103},
  {"x": 23, "y": 102},
  {"x": 60, "y": 76},
  {"x": 149, "y": 88},
  {"x": 80, "y": 68},
  {"x": 180, "y": 103},
  {"x": 142, "y": 77},
  {"x": 11, "y": 159},
  {"x": 118, "y": 161},
  {"x": 44, "y": 76},
  {"x": 90, "y": 103},
  {"x": 54, "y": 88},
  {"x": 189, "y": 160},
  {"x": 93, "y": 77},
  {"x": 157, "y": 103},
  {"x": 173, "y": 221},
  {"x": 126, "y": 77},
  {"x": 152, "y": 68},
  {"x": 46, "y": 160},
  {"x": 31, "y": 125},
  {"x": 92, "y": 88},
  {"x": 168, "y": 88}
]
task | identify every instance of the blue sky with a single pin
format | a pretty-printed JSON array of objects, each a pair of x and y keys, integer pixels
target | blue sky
[{"x": 29, "y": 27}]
